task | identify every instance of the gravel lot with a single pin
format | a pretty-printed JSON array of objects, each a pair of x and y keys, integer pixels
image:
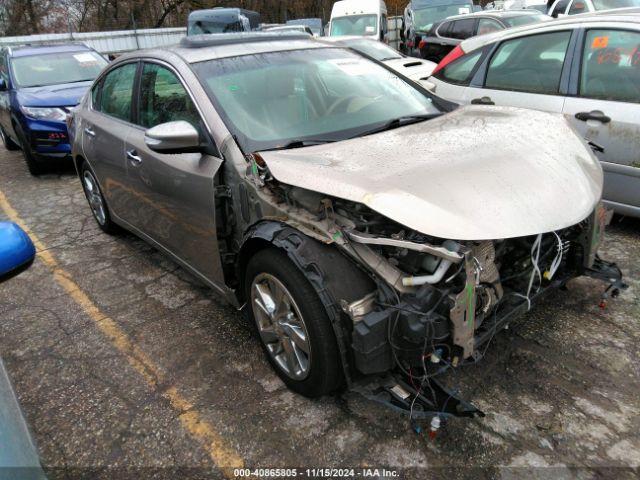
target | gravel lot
[{"x": 126, "y": 366}]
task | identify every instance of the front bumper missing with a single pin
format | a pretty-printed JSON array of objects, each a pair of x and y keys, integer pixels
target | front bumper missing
[{"x": 432, "y": 400}]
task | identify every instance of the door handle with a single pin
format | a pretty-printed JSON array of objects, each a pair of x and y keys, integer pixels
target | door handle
[
  {"x": 596, "y": 115},
  {"x": 133, "y": 156},
  {"x": 482, "y": 101},
  {"x": 90, "y": 132}
]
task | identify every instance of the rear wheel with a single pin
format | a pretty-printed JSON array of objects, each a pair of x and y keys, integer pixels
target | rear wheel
[
  {"x": 7, "y": 142},
  {"x": 292, "y": 324},
  {"x": 96, "y": 200}
]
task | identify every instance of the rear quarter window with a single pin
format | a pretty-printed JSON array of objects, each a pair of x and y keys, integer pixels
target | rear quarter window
[{"x": 460, "y": 71}]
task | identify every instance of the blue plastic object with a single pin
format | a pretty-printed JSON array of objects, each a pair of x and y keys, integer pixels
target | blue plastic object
[{"x": 16, "y": 248}]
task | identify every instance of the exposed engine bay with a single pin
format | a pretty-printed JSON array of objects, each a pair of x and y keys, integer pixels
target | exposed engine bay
[{"x": 439, "y": 302}]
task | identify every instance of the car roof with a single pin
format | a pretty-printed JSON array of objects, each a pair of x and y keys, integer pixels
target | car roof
[
  {"x": 349, "y": 38},
  {"x": 571, "y": 21},
  {"x": 199, "y": 48},
  {"x": 494, "y": 14},
  {"x": 29, "y": 50}
]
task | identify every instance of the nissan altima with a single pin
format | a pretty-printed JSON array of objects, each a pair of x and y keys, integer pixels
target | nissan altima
[{"x": 373, "y": 233}]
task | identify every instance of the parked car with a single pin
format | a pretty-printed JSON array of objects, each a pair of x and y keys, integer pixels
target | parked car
[
  {"x": 446, "y": 34},
  {"x": 413, "y": 68},
  {"x": 290, "y": 28},
  {"x": 420, "y": 15},
  {"x": 18, "y": 455},
  {"x": 315, "y": 24},
  {"x": 222, "y": 20},
  {"x": 560, "y": 8},
  {"x": 585, "y": 68},
  {"x": 361, "y": 222},
  {"x": 38, "y": 87}
]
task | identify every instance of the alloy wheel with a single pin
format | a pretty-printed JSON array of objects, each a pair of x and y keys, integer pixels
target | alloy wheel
[
  {"x": 281, "y": 326},
  {"x": 94, "y": 196}
]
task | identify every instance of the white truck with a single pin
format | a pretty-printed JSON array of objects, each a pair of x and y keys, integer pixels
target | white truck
[{"x": 365, "y": 18}]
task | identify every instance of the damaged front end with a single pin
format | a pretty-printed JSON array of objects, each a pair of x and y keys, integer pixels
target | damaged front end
[
  {"x": 438, "y": 303},
  {"x": 443, "y": 300}
]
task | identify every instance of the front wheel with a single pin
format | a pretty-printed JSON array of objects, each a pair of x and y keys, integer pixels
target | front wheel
[
  {"x": 96, "y": 200},
  {"x": 35, "y": 167},
  {"x": 7, "y": 142},
  {"x": 293, "y": 326}
]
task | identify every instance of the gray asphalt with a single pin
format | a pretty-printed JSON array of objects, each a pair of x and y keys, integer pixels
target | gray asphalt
[{"x": 561, "y": 389}]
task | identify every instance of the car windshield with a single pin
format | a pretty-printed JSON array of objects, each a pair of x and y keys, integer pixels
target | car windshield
[
  {"x": 273, "y": 99},
  {"x": 374, "y": 49},
  {"x": 609, "y": 4},
  {"x": 424, "y": 18},
  {"x": 525, "y": 19},
  {"x": 354, "y": 25},
  {"x": 56, "y": 68}
]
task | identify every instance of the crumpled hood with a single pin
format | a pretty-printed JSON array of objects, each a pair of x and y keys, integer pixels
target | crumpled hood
[
  {"x": 62, "y": 95},
  {"x": 477, "y": 173},
  {"x": 414, "y": 68}
]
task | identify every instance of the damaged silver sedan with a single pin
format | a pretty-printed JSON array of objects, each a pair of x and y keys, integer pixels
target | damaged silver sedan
[{"x": 375, "y": 234}]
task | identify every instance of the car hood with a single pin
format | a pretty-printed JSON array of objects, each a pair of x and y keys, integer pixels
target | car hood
[
  {"x": 414, "y": 68},
  {"x": 477, "y": 173},
  {"x": 61, "y": 95}
]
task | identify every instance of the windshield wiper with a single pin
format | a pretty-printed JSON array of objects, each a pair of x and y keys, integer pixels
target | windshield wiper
[
  {"x": 399, "y": 122},
  {"x": 298, "y": 144}
]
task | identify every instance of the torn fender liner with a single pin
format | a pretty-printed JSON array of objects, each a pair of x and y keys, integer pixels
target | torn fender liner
[
  {"x": 334, "y": 277},
  {"x": 434, "y": 399}
]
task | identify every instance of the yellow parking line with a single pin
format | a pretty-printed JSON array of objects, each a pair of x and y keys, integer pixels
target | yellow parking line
[{"x": 223, "y": 455}]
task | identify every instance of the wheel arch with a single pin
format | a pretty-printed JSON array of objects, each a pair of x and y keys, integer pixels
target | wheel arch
[{"x": 334, "y": 276}]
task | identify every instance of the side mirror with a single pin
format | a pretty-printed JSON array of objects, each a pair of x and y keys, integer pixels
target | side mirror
[
  {"x": 16, "y": 250},
  {"x": 3, "y": 85},
  {"x": 173, "y": 137}
]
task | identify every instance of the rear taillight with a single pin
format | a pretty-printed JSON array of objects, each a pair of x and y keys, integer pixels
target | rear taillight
[
  {"x": 451, "y": 56},
  {"x": 422, "y": 44}
]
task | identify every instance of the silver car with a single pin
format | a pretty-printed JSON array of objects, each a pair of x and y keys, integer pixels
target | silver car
[
  {"x": 414, "y": 68},
  {"x": 586, "y": 68},
  {"x": 372, "y": 233}
]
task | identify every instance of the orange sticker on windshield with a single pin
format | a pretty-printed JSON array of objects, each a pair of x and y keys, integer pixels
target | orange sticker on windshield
[{"x": 600, "y": 42}]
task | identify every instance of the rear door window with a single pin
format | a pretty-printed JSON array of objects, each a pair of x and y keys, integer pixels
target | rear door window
[
  {"x": 462, "y": 29},
  {"x": 116, "y": 95},
  {"x": 444, "y": 28},
  {"x": 611, "y": 66},
  {"x": 559, "y": 8},
  {"x": 577, "y": 7},
  {"x": 488, "y": 25},
  {"x": 529, "y": 64}
]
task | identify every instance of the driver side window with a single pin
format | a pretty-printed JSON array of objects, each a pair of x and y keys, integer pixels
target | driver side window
[{"x": 164, "y": 99}]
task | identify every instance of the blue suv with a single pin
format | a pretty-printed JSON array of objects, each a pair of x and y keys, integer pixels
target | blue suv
[{"x": 38, "y": 87}]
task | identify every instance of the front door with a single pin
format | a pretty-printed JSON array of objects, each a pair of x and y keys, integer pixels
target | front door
[
  {"x": 174, "y": 193},
  {"x": 606, "y": 110}
]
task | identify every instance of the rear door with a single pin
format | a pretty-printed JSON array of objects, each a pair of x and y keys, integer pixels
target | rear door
[
  {"x": 605, "y": 109},
  {"x": 174, "y": 194},
  {"x": 105, "y": 127},
  {"x": 524, "y": 72}
]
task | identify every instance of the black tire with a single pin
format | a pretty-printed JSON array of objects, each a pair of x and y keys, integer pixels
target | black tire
[
  {"x": 325, "y": 375},
  {"x": 35, "y": 167},
  {"x": 106, "y": 224},
  {"x": 7, "y": 142}
]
